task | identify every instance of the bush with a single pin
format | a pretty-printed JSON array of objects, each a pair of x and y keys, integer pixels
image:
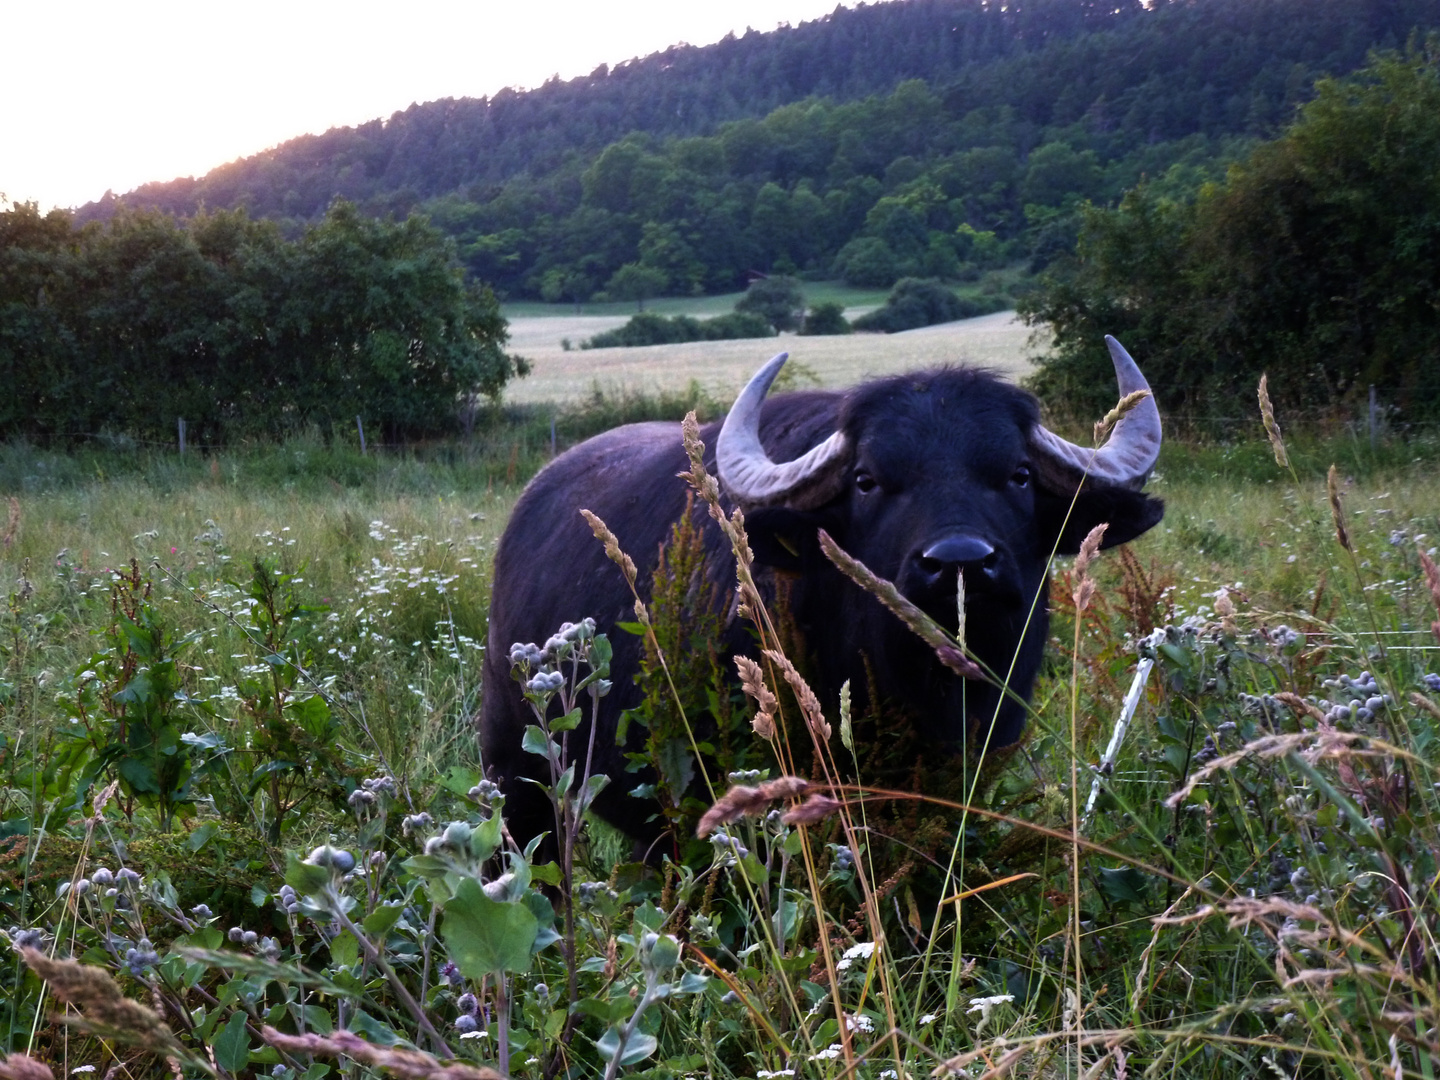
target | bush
[
  {"x": 778, "y": 300},
  {"x": 825, "y": 319},
  {"x": 916, "y": 302},
  {"x": 867, "y": 261},
  {"x": 647, "y": 328}
]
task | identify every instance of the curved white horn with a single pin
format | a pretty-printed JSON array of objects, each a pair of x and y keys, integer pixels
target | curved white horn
[
  {"x": 1132, "y": 449},
  {"x": 747, "y": 472}
]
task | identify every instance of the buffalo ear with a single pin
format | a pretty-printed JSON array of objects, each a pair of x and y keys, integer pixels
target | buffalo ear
[
  {"x": 779, "y": 536},
  {"x": 1128, "y": 513}
]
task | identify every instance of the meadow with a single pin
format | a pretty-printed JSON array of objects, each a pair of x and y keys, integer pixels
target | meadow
[{"x": 238, "y": 774}]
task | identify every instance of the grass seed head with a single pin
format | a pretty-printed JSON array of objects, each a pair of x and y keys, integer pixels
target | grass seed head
[
  {"x": 1432, "y": 581},
  {"x": 612, "y": 546},
  {"x": 1272, "y": 429},
  {"x": 406, "y": 1064},
  {"x": 1107, "y": 423},
  {"x": 1337, "y": 511},
  {"x": 752, "y": 680},
  {"x": 809, "y": 703},
  {"x": 104, "y": 1007},
  {"x": 24, "y": 1067}
]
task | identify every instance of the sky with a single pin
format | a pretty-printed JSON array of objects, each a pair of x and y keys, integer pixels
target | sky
[{"x": 107, "y": 96}]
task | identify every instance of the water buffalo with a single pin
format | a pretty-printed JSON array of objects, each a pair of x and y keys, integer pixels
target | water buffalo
[{"x": 920, "y": 476}]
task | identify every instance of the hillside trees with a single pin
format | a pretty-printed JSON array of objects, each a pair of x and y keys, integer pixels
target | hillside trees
[
  {"x": 127, "y": 327},
  {"x": 1317, "y": 260},
  {"x": 772, "y": 153}
]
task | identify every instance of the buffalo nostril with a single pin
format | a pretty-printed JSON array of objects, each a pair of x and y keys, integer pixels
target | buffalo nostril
[{"x": 966, "y": 554}]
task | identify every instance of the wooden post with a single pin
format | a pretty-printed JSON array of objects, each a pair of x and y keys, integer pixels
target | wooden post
[
  {"x": 1372, "y": 416},
  {"x": 181, "y": 424},
  {"x": 361, "y": 428}
]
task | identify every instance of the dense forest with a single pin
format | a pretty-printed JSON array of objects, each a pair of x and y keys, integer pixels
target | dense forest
[{"x": 927, "y": 137}]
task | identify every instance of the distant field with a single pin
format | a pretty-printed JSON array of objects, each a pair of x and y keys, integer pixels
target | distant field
[{"x": 722, "y": 367}]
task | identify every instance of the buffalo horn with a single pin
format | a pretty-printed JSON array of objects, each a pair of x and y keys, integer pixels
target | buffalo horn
[
  {"x": 1131, "y": 451},
  {"x": 747, "y": 472}
]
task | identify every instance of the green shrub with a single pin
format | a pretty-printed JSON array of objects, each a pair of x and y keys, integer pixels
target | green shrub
[
  {"x": 647, "y": 328},
  {"x": 917, "y": 302},
  {"x": 826, "y": 319},
  {"x": 778, "y": 300}
]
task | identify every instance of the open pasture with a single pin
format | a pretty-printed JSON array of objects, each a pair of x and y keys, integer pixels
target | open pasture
[{"x": 723, "y": 367}]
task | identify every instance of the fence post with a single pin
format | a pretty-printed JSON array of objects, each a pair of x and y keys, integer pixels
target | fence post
[
  {"x": 1372, "y": 416},
  {"x": 181, "y": 422},
  {"x": 361, "y": 428}
]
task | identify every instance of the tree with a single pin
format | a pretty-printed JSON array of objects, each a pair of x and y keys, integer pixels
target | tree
[
  {"x": 1317, "y": 260},
  {"x": 825, "y": 319},
  {"x": 637, "y": 282},
  {"x": 776, "y": 299}
]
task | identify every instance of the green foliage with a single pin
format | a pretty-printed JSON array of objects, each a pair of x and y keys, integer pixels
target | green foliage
[
  {"x": 773, "y": 152},
  {"x": 1314, "y": 261},
  {"x": 827, "y": 318},
  {"x": 649, "y": 328},
  {"x": 915, "y": 303},
  {"x": 776, "y": 299},
  {"x": 635, "y": 281},
  {"x": 867, "y": 261},
  {"x": 133, "y": 325}
]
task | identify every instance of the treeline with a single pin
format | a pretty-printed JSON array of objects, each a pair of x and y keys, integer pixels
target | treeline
[
  {"x": 127, "y": 327},
  {"x": 929, "y": 138},
  {"x": 1317, "y": 260}
]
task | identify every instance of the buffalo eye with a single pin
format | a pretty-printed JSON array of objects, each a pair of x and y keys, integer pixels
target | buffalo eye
[
  {"x": 864, "y": 481},
  {"x": 1021, "y": 476}
]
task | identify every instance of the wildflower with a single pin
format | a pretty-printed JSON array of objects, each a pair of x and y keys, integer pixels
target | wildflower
[
  {"x": 830, "y": 1053},
  {"x": 860, "y": 951},
  {"x": 337, "y": 859},
  {"x": 928, "y": 1018},
  {"x": 465, "y": 1023},
  {"x": 985, "y": 1006},
  {"x": 142, "y": 956}
]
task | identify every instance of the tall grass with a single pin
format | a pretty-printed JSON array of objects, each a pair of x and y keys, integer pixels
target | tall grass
[{"x": 1255, "y": 894}]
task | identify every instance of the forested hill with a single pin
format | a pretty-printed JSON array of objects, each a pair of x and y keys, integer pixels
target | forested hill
[{"x": 1181, "y": 67}]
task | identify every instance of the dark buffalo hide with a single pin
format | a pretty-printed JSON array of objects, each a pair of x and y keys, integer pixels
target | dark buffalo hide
[{"x": 941, "y": 474}]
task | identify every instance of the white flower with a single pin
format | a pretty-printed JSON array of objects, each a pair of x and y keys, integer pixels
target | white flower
[
  {"x": 830, "y": 1053},
  {"x": 862, "y": 950},
  {"x": 984, "y": 1005},
  {"x": 766, "y": 1074},
  {"x": 929, "y": 1018},
  {"x": 859, "y": 1022}
]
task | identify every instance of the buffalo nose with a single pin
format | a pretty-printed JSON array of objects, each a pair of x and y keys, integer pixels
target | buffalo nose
[{"x": 970, "y": 555}]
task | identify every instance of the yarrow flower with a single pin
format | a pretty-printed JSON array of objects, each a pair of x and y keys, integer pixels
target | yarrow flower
[
  {"x": 861, "y": 951},
  {"x": 984, "y": 1006}
]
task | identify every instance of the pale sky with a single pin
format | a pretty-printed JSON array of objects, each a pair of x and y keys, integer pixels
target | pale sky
[{"x": 112, "y": 95}]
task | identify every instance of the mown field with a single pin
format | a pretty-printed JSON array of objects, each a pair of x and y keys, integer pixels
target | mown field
[
  {"x": 275, "y": 651},
  {"x": 722, "y": 367}
]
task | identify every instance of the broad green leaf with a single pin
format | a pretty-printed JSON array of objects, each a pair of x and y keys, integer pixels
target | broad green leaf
[
  {"x": 569, "y": 722},
  {"x": 485, "y": 937},
  {"x": 379, "y": 921},
  {"x": 637, "y": 1048},
  {"x": 232, "y": 1045},
  {"x": 201, "y": 836},
  {"x": 305, "y": 878},
  {"x": 344, "y": 949},
  {"x": 1122, "y": 885}
]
